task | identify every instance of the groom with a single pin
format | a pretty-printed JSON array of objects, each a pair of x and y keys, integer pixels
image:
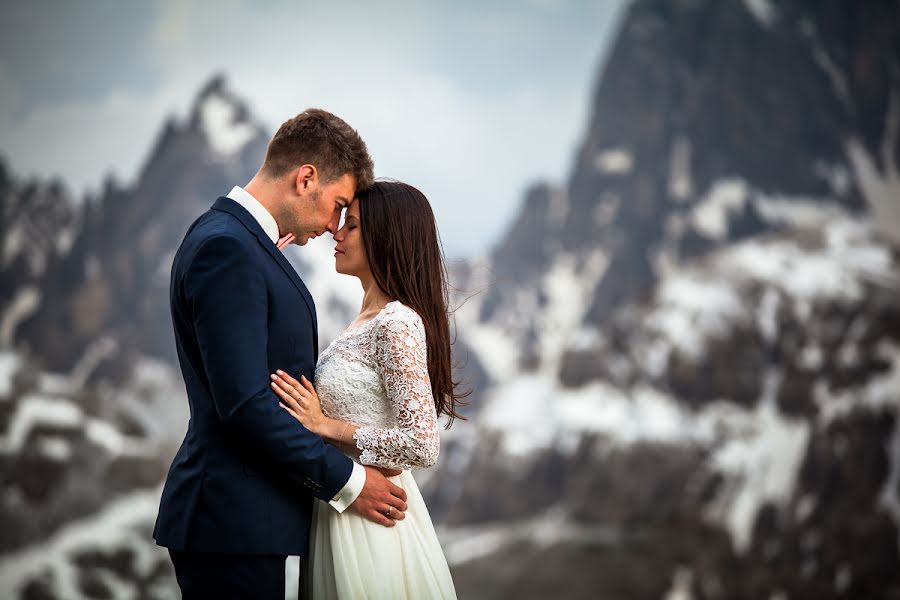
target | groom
[{"x": 239, "y": 494}]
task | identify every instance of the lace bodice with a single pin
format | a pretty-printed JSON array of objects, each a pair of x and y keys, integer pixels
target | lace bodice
[{"x": 375, "y": 376}]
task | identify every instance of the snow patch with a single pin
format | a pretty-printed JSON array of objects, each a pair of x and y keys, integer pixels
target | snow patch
[
  {"x": 691, "y": 307},
  {"x": 767, "y": 315},
  {"x": 681, "y": 185},
  {"x": 154, "y": 398},
  {"x": 569, "y": 289},
  {"x": 805, "y": 507},
  {"x": 682, "y": 583},
  {"x": 533, "y": 412},
  {"x": 98, "y": 351},
  {"x": 833, "y": 272},
  {"x": 9, "y": 365},
  {"x": 616, "y": 161},
  {"x": 13, "y": 243},
  {"x": 760, "y": 466},
  {"x": 23, "y": 305},
  {"x": 34, "y": 410},
  {"x": 496, "y": 350},
  {"x": 759, "y": 451},
  {"x": 225, "y": 131},
  {"x": 710, "y": 216},
  {"x": 878, "y": 393},
  {"x": 881, "y": 189},
  {"x": 763, "y": 11},
  {"x": 64, "y": 240},
  {"x": 465, "y": 544},
  {"x": 811, "y": 357},
  {"x": 121, "y": 525},
  {"x": 797, "y": 212},
  {"x": 55, "y": 448},
  {"x": 586, "y": 338}
]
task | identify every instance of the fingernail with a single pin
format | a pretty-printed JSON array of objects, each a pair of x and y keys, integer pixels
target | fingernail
[
  {"x": 273, "y": 376},
  {"x": 279, "y": 371}
]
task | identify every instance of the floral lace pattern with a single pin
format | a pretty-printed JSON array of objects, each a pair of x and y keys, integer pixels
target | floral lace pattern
[{"x": 375, "y": 376}]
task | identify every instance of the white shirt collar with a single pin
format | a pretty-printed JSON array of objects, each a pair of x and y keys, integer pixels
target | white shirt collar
[{"x": 257, "y": 210}]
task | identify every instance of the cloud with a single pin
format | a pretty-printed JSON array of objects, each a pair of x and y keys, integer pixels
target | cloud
[
  {"x": 12, "y": 94},
  {"x": 468, "y": 118},
  {"x": 82, "y": 141}
]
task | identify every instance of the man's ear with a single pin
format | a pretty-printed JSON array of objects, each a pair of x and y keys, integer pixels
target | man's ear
[{"x": 307, "y": 178}]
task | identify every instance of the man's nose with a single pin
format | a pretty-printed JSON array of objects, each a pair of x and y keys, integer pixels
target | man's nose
[{"x": 333, "y": 224}]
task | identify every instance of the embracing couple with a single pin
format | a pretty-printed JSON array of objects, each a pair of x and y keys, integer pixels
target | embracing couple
[{"x": 289, "y": 452}]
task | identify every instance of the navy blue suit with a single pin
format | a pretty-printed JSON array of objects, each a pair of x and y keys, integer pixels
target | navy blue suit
[{"x": 245, "y": 476}]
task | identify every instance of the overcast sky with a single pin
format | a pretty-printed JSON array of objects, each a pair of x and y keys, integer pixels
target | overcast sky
[{"x": 469, "y": 101}]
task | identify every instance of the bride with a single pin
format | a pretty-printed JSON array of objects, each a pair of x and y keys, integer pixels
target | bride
[{"x": 379, "y": 389}]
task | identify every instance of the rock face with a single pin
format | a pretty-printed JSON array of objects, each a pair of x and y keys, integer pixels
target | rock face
[
  {"x": 686, "y": 358},
  {"x": 115, "y": 276},
  {"x": 692, "y": 347},
  {"x": 37, "y": 226},
  {"x": 92, "y": 405}
]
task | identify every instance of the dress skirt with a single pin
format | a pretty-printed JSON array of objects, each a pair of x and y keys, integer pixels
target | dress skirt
[{"x": 352, "y": 558}]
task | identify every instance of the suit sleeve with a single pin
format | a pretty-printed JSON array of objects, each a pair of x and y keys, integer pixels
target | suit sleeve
[{"x": 228, "y": 302}]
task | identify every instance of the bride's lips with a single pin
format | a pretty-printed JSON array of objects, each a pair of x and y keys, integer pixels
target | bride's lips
[{"x": 338, "y": 251}]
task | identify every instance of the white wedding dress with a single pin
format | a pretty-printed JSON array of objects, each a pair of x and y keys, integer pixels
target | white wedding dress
[{"x": 375, "y": 376}]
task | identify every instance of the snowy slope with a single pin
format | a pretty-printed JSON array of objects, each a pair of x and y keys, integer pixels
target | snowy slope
[{"x": 686, "y": 355}]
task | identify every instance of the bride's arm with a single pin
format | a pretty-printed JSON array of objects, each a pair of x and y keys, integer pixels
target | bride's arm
[
  {"x": 400, "y": 352},
  {"x": 401, "y": 359},
  {"x": 301, "y": 400}
]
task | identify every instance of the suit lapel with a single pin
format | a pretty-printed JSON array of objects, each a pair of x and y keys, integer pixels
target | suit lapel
[{"x": 228, "y": 205}]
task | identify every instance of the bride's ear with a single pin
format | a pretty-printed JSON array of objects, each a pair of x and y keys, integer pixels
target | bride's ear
[{"x": 306, "y": 179}]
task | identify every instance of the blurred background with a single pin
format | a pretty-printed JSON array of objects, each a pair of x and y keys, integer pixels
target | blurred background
[{"x": 674, "y": 230}]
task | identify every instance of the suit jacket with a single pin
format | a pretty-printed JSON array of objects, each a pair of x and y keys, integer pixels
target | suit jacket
[{"x": 245, "y": 476}]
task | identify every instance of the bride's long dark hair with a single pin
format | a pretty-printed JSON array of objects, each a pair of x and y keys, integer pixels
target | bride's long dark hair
[{"x": 404, "y": 254}]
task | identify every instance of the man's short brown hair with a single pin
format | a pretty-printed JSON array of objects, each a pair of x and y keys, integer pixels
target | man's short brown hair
[{"x": 321, "y": 139}]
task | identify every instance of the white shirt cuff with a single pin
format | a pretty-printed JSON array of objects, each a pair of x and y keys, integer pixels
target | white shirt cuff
[{"x": 351, "y": 489}]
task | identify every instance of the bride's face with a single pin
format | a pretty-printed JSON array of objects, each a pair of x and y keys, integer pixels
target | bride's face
[{"x": 349, "y": 253}]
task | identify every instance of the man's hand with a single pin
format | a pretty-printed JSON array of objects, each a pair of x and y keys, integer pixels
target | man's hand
[{"x": 380, "y": 501}]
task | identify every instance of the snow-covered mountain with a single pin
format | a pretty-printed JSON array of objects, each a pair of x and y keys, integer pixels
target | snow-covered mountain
[
  {"x": 692, "y": 346},
  {"x": 92, "y": 406},
  {"x": 686, "y": 357}
]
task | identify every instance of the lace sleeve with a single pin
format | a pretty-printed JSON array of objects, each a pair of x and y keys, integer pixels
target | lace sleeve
[{"x": 400, "y": 354}]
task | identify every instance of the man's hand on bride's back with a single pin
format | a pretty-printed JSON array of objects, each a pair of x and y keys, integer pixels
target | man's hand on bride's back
[{"x": 380, "y": 501}]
